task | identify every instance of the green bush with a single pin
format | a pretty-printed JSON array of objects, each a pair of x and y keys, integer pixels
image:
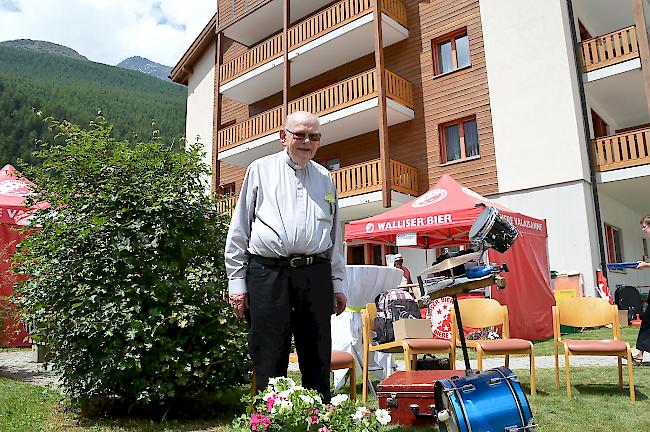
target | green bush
[{"x": 126, "y": 283}]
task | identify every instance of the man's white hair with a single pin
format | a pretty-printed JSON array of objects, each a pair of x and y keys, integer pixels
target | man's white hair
[{"x": 292, "y": 118}]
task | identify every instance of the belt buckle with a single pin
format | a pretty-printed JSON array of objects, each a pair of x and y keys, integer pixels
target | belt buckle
[{"x": 301, "y": 261}]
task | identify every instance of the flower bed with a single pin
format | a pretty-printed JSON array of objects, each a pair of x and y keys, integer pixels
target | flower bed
[{"x": 284, "y": 406}]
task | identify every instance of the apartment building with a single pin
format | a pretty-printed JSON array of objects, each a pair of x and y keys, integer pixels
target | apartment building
[{"x": 541, "y": 105}]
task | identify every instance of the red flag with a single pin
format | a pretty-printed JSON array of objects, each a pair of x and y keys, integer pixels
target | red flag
[{"x": 603, "y": 288}]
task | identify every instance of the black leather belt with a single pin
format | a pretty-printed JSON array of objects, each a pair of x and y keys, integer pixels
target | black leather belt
[{"x": 294, "y": 261}]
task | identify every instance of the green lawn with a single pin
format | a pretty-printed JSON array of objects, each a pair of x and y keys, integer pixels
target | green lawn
[{"x": 597, "y": 403}]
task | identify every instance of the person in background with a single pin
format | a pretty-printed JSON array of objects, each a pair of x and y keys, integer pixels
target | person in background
[
  {"x": 643, "y": 339},
  {"x": 399, "y": 263},
  {"x": 284, "y": 258}
]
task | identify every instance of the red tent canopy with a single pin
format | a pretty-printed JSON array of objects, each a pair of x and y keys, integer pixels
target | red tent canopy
[
  {"x": 443, "y": 217},
  {"x": 13, "y": 191}
]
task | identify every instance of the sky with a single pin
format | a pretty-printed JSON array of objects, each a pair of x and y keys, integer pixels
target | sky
[{"x": 109, "y": 31}]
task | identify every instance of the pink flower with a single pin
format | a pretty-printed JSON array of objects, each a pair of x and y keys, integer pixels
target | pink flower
[
  {"x": 259, "y": 422},
  {"x": 324, "y": 429},
  {"x": 270, "y": 402}
]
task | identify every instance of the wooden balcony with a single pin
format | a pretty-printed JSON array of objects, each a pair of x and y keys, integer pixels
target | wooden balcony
[
  {"x": 606, "y": 50},
  {"x": 312, "y": 28},
  {"x": 367, "y": 177},
  {"x": 623, "y": 150},
  {"x": 335, "y": 97},
  {"x": 227, "y": 204}
]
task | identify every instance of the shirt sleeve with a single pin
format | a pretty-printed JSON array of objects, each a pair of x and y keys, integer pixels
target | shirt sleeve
[
  {"x": 239, "y": 234},
  {"x": 335, "y": 253}
]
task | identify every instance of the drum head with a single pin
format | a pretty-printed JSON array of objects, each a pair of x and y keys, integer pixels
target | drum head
[{"x": 482, "y": 221}]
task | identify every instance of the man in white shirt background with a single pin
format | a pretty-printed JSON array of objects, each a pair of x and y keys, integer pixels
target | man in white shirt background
[{"x": 284, "y": 257}]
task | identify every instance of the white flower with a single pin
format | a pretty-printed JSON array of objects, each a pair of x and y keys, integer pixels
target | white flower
[
  {"x": 267, "y": 396},
  {"x": 285, "y": 405},
  {"x": 284, "y": 394},
  {"x": 359, "y": 415},
  {"x": 338, "y": 399},
  {"x": 307, "y": 399},
  {"x": 383, "y": 417}
]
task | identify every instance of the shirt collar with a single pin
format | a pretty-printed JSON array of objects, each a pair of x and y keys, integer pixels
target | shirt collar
[{"x": 292, "y": 164}]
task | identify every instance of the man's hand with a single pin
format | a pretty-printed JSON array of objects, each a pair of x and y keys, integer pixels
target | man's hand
[
  {"x": 238, "y": 302},
  {"x": 340, "y": 301},
  {"x": 643, "y": 265}
]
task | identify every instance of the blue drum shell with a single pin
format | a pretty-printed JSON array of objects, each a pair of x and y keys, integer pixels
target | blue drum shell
[{"x": 490, "y": 401}]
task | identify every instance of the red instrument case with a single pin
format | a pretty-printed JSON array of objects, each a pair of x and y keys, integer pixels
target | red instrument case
[{"x": 409, "y": 395}]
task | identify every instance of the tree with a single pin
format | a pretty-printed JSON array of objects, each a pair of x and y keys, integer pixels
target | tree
[{"x": 126, "y": 278}]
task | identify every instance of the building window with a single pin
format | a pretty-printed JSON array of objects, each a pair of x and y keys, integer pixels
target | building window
[
  {"x": 451, "y": 52},
  {"x": 614, "y": 241},
  {"x": 331, "y": 163},
  {"x": 228, "y": 189},
  {"x": 459, "y": 140}
]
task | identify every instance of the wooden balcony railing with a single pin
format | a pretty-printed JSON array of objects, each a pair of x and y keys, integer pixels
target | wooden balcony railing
[
  {"x": 227, "y": 204},
  {"x": 609, "y": 49},
  {"x": 305, "y": 31},
  {"x": 333, "y": 98},
  {"x": 367, "y": 177},
  {"x": 622, "y": 150}
]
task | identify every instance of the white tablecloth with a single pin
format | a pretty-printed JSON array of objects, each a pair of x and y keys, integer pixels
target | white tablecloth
[{"x": 362, "y": 284}]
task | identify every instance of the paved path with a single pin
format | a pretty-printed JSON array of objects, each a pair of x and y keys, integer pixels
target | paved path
[{"x": 18, "y": 365}]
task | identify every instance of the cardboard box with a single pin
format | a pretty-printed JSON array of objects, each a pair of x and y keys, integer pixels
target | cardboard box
[
  {"x": 622, "y": 317},
  {"x": 412, "y": 329}
]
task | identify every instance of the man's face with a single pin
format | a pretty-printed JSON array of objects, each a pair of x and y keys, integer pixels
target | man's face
[
  {"x": 646, "y": 229},
  {"x": 398, "y": 263},
  {"x": 301, "y": 138}
]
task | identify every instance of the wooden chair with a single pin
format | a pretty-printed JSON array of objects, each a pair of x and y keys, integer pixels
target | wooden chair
[
  {"x": 481, "y": 313},
  {"x": 590, "y": 312},
  {"x": 410, "y": 347},
  {"x": 340, "y": 360}
]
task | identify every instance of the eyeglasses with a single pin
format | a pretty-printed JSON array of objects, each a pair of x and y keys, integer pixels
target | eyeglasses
[
  {"x": 301, "y": 136},
  {"x": 645, "y": 227}
]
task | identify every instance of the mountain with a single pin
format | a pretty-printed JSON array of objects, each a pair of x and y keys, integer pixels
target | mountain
[
  {"x": 147, "y": 66},
  {"x": 72, "y": 88},
  {"x": 44, "y": 47}
]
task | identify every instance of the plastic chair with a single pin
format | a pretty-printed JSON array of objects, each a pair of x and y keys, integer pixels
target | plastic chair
[
  {"x": 481, "y": 313},
  {"x": 340, "y": 360},
  {"x": 590, "y": 312},
  {"x": 410, "y": 347}
]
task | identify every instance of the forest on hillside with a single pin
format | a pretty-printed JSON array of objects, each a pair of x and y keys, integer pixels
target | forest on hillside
[{"x": 75, "y": 90}]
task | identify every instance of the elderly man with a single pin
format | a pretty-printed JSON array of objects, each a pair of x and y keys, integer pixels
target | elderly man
[{"x": 284, "y": 257}]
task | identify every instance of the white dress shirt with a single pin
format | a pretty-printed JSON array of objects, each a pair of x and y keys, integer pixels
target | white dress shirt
[{"x": 284, "y": 209}]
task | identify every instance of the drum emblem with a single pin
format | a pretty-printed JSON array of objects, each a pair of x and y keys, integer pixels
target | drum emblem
[
  {"x": 431, "y": 197},
  {"x": 14, "y": 188},
  {"x": 439, "y": 313},
  {"x": 370, "y": 227}
]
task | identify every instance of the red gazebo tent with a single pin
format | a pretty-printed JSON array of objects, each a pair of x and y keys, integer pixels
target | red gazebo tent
[
  {"x": 13, "y": 191},
  {"x": 443, "y": 217}
]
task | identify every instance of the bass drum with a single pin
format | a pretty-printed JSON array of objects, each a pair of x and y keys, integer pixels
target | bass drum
[
  {"x": 493, "y": 230},
  {"x": 491, "y": 401}
]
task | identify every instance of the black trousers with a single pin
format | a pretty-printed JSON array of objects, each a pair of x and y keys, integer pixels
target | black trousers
[
  {"x": 643, "y": 339},
  {"x": 285, "y": 301}
]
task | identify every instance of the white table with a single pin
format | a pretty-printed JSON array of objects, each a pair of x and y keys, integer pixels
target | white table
[{"x": 362, "y": 284}]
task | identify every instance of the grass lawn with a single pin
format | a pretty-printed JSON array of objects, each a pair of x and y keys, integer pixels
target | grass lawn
[{"x": 597, "y": 404}]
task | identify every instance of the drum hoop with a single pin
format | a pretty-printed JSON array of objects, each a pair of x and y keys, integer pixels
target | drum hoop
[
  {"x": 461, "y": 402},
  {"x": 444, "y": 392},
  {"x": 514, "y": 393},
  {"x": 489, "y": 223}
]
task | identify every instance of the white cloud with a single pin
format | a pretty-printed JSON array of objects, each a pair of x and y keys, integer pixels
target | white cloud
[{"x": 108, "y": 31}]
